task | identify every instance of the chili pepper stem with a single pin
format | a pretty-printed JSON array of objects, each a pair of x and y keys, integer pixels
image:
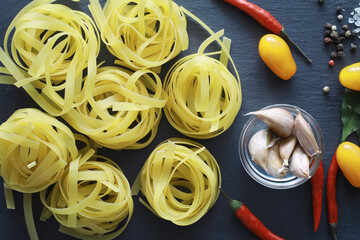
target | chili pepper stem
[
  {"x": 225, "y": 195},
  {"x": 333, "y": 227},
  {"x": 234, "y": 204},
  {"x": 286, "y": 37}
]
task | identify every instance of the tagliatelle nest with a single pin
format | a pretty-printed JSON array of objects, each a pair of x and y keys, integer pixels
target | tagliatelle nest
[
  {"x": 91, "y": 199},
  {"x": 180, "y": 180},
  {"x": 51, "y": 47},
  {"x": 34, "y": 150},
  {"x": 124, "y": 109},
  {"x": 142, "y": 34}
]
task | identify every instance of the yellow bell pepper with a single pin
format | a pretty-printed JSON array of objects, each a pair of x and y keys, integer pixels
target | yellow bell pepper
[
  {"x": 350, "y": 76},
  {"x": 348, "y": 159},
  {"x": 276, "y": 54}
]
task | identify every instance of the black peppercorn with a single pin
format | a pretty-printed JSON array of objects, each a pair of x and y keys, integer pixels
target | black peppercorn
[
  {"x": 327, "y": 33},
  {"x": 321, "y": 1},
  {"x": 333, "y": 54},
  {"x": 353, "y": 47},
  {"x": 341, "y": 39},
  {"x": 342, "y": 33},
  {"x": 337, "y": 40},
  {"x": 353, "y": 33},
  {"x": 340, "y": 47},
  {"x": 334, "y": 34},
  {"x": 339, "y": 9},
  {"x": 341, "y": 54},
  {"x": 327, "y": 40},
  {"x": 345, "y": 27},
  {"x": 328, "y": 26}
]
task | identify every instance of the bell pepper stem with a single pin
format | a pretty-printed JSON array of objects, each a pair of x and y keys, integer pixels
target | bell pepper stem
[{"x": 286, "y": 37}]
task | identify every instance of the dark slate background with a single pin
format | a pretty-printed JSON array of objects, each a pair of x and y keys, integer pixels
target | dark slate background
[{"x": 286, "y": 212}]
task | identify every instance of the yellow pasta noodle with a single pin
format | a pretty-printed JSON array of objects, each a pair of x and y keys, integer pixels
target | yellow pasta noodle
[
  {"x": 180, "y": 180},
  {"x": 34, "y": 150},
  {"x": 204, "y": 96},
  {"x": 141, "y": 33},
  {"x": 51, "y": 46},
  {"x": 124, "y": 109},
  {"x": 91, "y": 199}
]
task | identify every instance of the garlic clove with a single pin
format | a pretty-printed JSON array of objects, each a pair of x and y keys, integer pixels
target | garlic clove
[
  {"x": 299, "y": 163},
  {"x": 278, "y": 120},
  {"x": 306, "y": 136},
  {"x": 274, "y": 165},
  {"x": 286, "y": 147},
  {"x": 259, "y": 147}
]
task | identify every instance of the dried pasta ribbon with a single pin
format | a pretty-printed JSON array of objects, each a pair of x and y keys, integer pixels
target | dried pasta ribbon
[
  {"x": 124, "y": 109},
  {"x": 141, "y": 33},
  {"x": 51, "y": 47},
  {"x": 204, "y": 96},
  {"x": 34, "y": 150},
  {"x": 180, "y": 180},
  {"x": 91, "y": 199}
]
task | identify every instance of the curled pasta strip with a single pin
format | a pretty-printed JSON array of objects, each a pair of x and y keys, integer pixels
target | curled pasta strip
[
  {"x": 91, "y": 199},
  {"x": 142, "y": 34},
  {"x": 180, "y": 180},
  {"x": 124, "y": 109},
  {"x": 51, "y": 47},
  {"x": 34, "y": 150},
  {"x": 204, "y": 96}
]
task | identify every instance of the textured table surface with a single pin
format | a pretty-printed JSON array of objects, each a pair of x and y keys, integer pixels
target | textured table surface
[{"x": 286, "y": 212}]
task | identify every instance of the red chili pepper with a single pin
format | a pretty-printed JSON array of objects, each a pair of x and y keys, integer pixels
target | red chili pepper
[
  {"x": 317, "y": 183},
  {"x": 250, "y": 220},
  {"x": 331, "y": 196},
  {"x": 266, "y": 19}
]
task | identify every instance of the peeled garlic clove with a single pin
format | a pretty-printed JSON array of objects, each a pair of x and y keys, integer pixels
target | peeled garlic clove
[
  {"x": 259, "y": 147},
  {"x": 306, "y": 136},
  {"x": 278, "y": 120},
  {"x": 286, "y": 147},
  {"x": 274, "y": 165},
  {"x": 299, "y": 163}
]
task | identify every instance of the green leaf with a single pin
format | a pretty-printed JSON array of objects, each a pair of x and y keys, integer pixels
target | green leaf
[{"x": 350, "y": 113}]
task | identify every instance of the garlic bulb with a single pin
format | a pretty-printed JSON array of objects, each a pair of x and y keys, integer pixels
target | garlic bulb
[
  {"x": 259, "y": 147},
  {"x": 306, "y": 136},
  {"x": 286, "y": 147},
  {"x": 274, "y": 165},
  {"x": 278, "y": 120},
  {"x": 299, "y": 163}
]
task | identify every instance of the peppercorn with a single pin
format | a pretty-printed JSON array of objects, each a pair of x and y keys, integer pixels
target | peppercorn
[
  {"x": 328, "y": 26},
  {"x": 321, "y": 1},
  {"x": 339, "y": 9},
  {"x": 353, "y": 33},
  {"x": 334, "y": 34},
  {"x": 353, "y": 47},
  {"x": 331, "y": 63},
  {"x": 333, "y": 27},
  {"x": 341, "y": 39},
  {"x": 342, "y": 33},
  {"x": 337, "y": 40},
  {"x": 327, "y": 33},
  {"x": 345, "y": 27},
  {"x": 327, "y": 40},
  {"x": 340, "y": 47},
  {"x": 348, "y": 33},
  {"x": 340, "y": 17},
  {"x": 326, "y": 89},
  {"x": 333, "y": 54},
  {"x": 341, "y": 54}
]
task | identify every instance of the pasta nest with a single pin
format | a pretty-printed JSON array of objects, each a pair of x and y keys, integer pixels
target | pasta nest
[
  {"x": 180, "y": 180},
  {"x": 124, "y": 109},
  {"x": 34, "y": 150},
  {"x": 142, "y": 34},
  {"x": 92, "y": 198},
  {"x": 53, "y": 45},
  {"x": 204, "y": 97}
]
